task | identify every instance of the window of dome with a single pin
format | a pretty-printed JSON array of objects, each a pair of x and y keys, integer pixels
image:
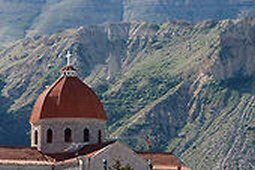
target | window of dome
[
  {"x": 68, "y": 135},
  {"x": 99, "y": 136},
  {"x": 49, "y": 136},
  {"x": 86, "y": 135},
  {"x": 36, "y": 137}
]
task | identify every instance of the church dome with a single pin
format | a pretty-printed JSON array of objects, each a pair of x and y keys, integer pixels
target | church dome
[{"x": 68, "y": 97}]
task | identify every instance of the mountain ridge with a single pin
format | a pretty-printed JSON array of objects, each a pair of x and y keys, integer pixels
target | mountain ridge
[
  {"x": 30, "y": 18},
  {"x": 189, "y": 88}
]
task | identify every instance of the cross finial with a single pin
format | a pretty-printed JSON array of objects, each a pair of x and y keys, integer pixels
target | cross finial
[{"x": 68, "y": 55}]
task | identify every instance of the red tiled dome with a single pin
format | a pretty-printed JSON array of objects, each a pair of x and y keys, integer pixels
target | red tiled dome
[{"x": 68, "y": 97}]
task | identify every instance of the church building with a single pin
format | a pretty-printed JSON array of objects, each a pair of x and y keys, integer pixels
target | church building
[{"x": 68, "y": 125}]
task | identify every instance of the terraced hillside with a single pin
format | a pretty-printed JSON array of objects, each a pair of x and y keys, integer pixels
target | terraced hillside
[{"x": 189, "y": 89}]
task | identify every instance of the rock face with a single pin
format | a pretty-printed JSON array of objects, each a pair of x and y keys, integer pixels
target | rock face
[
  {"x": 187, "y": 88},
  {"x": 19, "y": 18},
  {"x": 241, "y": 50}
]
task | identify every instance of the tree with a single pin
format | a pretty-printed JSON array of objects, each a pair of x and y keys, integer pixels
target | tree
[{"x": 117, "y": 166}]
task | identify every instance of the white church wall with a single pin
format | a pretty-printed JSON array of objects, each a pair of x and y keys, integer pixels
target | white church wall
[
  {"x": 116, "y": 151},
  {"x": 59, "y": 125},
  {"x": 71, "y": 165}
]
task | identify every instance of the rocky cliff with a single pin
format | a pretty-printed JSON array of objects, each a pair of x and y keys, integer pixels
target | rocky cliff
[
  {"x": 188, "y": 88},
  {"x": 19, "y": 18}
]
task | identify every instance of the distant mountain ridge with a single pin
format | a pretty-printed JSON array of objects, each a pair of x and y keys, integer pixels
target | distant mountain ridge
[
  {"x": 188, "y": 88},
  {"x": 19, "y": 18}
]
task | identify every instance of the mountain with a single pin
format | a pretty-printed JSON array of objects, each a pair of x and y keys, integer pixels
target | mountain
[
  {"x": 16, "y": 16},
  {"x": 20, "y": 18},
  {"x": 188, "y": 88}
]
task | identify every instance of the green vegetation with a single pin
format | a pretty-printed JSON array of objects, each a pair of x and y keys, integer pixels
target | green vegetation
[{"x": 167, "y": 83}]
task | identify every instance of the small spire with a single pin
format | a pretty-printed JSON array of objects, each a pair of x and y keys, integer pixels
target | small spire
[{"x": 68, "y": 55}]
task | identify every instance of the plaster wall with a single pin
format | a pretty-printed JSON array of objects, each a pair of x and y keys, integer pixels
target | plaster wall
[
  {"x": 58, "y": 127},
  {"x": 114, "y": 152}
]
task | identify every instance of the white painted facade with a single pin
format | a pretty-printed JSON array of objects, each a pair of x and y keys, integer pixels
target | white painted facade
[
  {"x": 58, "y": 126},
  {"x": 116, "y": 151}
]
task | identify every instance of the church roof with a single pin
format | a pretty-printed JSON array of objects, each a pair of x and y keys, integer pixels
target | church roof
[
  {"x": 162, "y": 160},
  {"x": 22, "y": 154},
  {"x": 25, "y": 155},
  {"x": 68, "y": 97},
  {"x": 88, "y": 150},
  {"x": 33, "y": 155}
]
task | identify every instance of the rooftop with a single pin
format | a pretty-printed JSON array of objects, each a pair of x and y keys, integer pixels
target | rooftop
[
  {"x": 68, "y": 97},
  {"x": 162, "y": 160},
  {"x": 32, "y": 155}
]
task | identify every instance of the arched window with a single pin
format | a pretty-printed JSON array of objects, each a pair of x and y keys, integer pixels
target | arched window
[
  {"x": 86, "y": 135},
  {"x": 49, "y": 136},
  {"x": 36, "y": 137},
  {"x": 99, "y": 136},
  {"x": 68, "y": 135}
]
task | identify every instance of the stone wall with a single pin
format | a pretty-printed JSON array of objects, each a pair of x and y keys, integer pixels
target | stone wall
[{"x": 58, "y": 127}]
